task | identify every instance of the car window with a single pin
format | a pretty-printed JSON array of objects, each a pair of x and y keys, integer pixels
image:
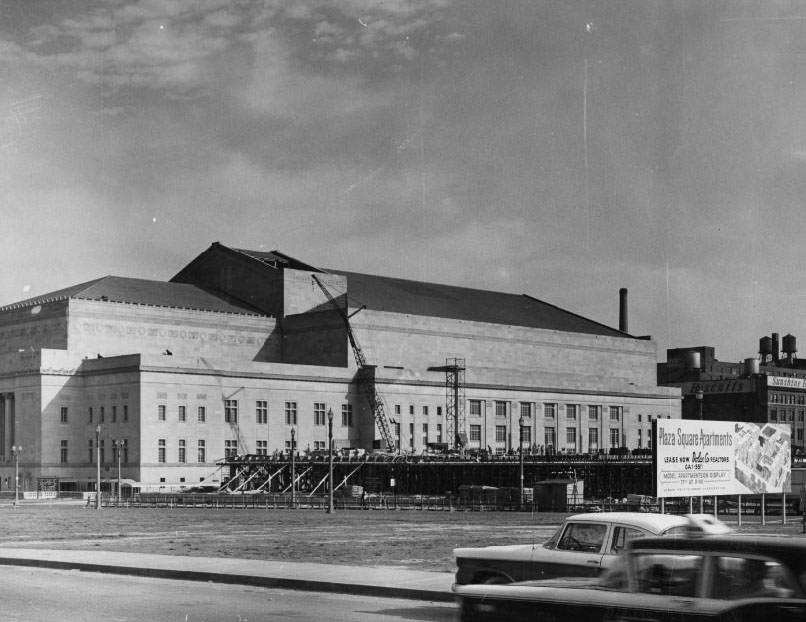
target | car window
[
  {"x": 739, "y": 577},
  {"x": 622, "y": 535},
  {"x": 585, "y": 537},
  {"x": 670, "y": 574}
]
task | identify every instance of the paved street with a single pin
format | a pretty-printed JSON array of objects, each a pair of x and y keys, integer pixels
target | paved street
[{"x": 69, "y": 596}]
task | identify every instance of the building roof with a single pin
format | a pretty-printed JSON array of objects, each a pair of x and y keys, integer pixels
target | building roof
[
  {"x": 140, "y": 291},
  {"x": 431, "y": 299}
]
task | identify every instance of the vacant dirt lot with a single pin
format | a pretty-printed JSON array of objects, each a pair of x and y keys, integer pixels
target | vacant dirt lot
[{"x": 409, "y": 539}]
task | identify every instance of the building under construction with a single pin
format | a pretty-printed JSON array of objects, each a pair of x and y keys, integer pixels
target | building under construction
[{"x": 251, "y": 353}]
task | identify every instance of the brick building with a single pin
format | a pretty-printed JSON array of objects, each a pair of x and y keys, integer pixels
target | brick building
[{"x": 241, "y": 347}]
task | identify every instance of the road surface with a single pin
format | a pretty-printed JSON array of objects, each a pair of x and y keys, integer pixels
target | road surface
[{"x": 71, "y": 596}]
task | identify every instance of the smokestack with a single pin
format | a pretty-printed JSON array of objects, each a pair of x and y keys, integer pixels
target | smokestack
[
  {"x": 775, "y": 348},
  {"x": 622, "y": 311}
]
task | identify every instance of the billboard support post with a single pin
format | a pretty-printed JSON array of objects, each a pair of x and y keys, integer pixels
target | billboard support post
[
  {"x": 739, "y": 510},
  {"x": 763, "y": 509}
]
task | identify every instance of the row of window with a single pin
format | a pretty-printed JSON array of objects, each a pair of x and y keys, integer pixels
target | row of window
[
  {"x": 550, "y": 410},
  {"x": 101, "y": 414},
  {"x": 776, "y": 397},
  {"x": 261, "y": 413},
  {"x": 550, "y": 436}
]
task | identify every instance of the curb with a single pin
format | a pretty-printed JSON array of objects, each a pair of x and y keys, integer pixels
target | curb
[{"x": 310, "y": 585}]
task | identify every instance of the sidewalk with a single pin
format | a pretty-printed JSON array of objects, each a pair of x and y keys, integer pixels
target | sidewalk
[{"x": 384, "y": 581}]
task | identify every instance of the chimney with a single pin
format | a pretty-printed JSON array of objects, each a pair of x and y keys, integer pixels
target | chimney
[
  {"x": 775, "y": 348},
  {"x": 622, "y": 312}
]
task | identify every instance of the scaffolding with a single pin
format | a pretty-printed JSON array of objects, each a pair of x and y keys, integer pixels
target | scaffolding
[{"x": 455, "y": 402}]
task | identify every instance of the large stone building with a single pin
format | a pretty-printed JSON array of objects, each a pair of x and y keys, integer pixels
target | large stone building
[{"x": 242, "y": 347}]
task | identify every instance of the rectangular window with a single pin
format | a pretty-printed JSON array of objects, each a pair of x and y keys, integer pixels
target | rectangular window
[
  {"x": 125, "y": 412},
  {"x": 319, "y": 415},
  {"x": 475, "y": 433},
  {"x": 161, "y": 451},
  {"x": 63, "y": 414},
  {"x": 101, "y": 418},
  {"x": 615, "y": 437},
  {"x": 593, "y": 439},
  {"x": 102, "y": 452},
  {"x": 201, "y": 451},
  {"x": 411, "y": 435},
  {"x": 182, "y": 414},
  {"x": 425, "y": 411},
  {"x": 439, "y": 433},
  {"x": 114, "y": 414},
  {"x": 439, "y": 411},
  {"x": 397, "y": 434},
  {"x": 91, "y": 453},
  {"x": 411, "y": 409},
  {"x": 262, "y": 412},
  {"x": 526, "y": 410},
  {"x": 594, "y": 412},
  {"x": 90, "y": 413},
  {"x": 201, "y": 415},
  {"x": 425, "y": 435},
  {"x": 230, "y": 411},
  {"x": 475, "y": 408},
  {"x": 551, "y": 439},
  {"x": 63, "y": 452},
  {"x": 571, "y": 412},
  {"x": 291, "y": 413},
  {"x": 640, "y": 440},
  {"x": 615, "y": 413},
  {"x": 526, "y": 435},
  {"x": 230, "y": 448},
  {"x": 262, "y": 448},
  {"x": 571, "y": 438},
  {"x": 347, "y": 415},
  {"x": 550, "y": 410},
  {"x": 397, "y": 409},
  {"x": 500, "y": 434},
  {"x": 500, "y": 409},
  {"x": 161, "y": 412},
  {"x": 181, "y": 455}
]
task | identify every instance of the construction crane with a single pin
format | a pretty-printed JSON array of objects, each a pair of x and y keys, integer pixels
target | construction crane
[{"x": 365, "y": 378}]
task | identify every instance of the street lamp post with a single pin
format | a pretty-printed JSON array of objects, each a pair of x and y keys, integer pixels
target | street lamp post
[
  {"x": 98, "y": 467},
  {"x": 293, "y": 471},
  {"x": 520, "y": 454},
  {"x": 16, "y": 450},
  {"x": 330, "y": 461},
  {"x": 119, "y": 445}
]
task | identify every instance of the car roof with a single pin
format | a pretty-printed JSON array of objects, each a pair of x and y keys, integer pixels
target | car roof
[
  {"x": 653, "y": 522},
  {"x": 790, "y": 549}
]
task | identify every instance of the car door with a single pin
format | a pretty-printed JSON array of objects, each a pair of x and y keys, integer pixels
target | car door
[{"x": 577, "y": 552}]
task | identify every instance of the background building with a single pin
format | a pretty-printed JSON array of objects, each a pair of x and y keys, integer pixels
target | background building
[
  {"x": 767, "y": 388},
  {"x": 242, "y": 347}
]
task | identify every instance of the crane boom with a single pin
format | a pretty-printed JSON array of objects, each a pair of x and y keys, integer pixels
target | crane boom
[{"x": 365, "y": 377}]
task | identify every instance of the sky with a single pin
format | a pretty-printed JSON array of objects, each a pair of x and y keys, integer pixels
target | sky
[{"x": 559, "y": 148}]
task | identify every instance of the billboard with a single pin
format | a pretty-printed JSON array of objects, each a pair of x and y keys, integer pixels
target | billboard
[{"x": 705, "y": 458}]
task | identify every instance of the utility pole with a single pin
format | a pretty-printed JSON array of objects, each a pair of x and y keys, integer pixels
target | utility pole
[
  {"x": 98, "y": 467},
  {"x": 330, "y": 461}
]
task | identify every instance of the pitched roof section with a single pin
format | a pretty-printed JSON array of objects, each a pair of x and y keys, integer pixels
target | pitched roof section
[
  {"x": 475, "y": 305},
  {"x": 275, "y": 259},
  {"x": 143, "y": 292}
]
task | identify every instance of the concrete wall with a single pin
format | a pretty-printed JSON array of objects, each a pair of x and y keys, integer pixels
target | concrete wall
[
  {"x": 113, "y": 329},
  {"x": 35, "y": 327},
  {"x": 509, "y": 355}
]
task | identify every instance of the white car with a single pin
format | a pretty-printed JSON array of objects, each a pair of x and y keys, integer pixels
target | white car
[{"x": 584, "y": 545}]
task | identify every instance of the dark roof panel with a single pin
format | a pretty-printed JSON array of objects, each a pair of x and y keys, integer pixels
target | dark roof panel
[
  {"x": 461, "y": 303},
  {"x": 144, "y": 292}
]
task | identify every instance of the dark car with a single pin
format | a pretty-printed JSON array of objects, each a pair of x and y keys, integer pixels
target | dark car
[{"x": 732, "y": 578}]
